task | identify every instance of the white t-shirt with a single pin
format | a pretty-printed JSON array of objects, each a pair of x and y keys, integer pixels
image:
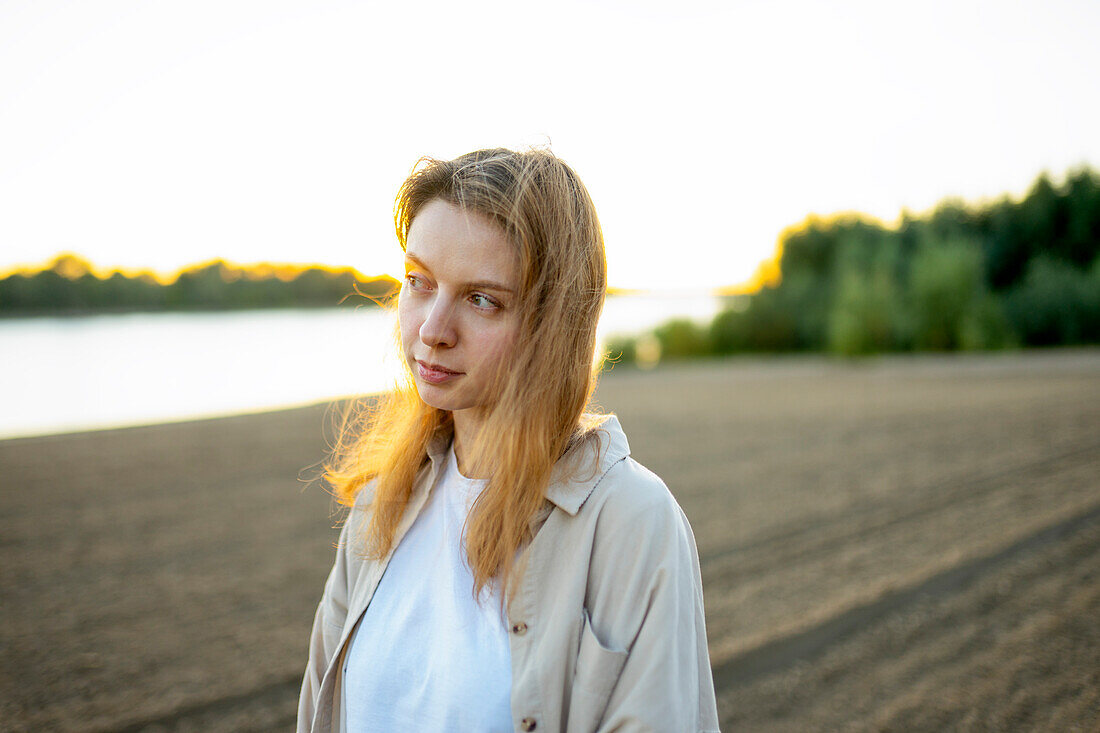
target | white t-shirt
[{"x": 425, "y": 656}]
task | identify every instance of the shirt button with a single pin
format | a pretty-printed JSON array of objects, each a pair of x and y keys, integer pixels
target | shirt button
[
  {"x": 528, "y": 724},
  {"x": 519, "y": 629}
]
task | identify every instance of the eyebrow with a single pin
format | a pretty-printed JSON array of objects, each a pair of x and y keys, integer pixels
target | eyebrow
[{"x": 477, "y": 285}]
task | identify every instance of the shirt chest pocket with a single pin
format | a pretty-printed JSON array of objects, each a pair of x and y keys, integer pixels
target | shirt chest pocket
[{"x": 597, "y": 672}]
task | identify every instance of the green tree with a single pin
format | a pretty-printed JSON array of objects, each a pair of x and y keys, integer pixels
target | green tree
[
  {"x": 950, "y": 304},
  {"x": 1056, "y": 303},
  {"x": 681, "y": 338}
]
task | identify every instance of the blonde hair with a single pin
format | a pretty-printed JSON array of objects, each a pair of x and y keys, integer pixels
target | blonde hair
[{"x": 546, "y": 213}]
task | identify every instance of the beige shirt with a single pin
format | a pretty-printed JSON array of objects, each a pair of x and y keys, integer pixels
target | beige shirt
[{"x": 607, "y": 624}]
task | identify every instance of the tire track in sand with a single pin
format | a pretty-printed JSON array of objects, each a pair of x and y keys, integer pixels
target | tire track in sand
[{"x": 785, "y": 652}]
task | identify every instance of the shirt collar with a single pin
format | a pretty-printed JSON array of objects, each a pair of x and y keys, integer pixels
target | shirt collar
[{"x": 577, "y": 473}]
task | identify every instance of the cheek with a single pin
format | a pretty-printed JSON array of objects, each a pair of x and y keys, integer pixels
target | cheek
[
  {"x": 501, "y": 345},
  {"x": 407, "y": 324}
]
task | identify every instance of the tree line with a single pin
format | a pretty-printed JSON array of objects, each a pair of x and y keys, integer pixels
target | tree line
[
  {"x": 962, "y": 277},
  {"x": 69, "y": 286}
]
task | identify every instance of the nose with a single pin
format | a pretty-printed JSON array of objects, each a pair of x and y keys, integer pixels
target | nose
[{"x": 437, "y": 330}]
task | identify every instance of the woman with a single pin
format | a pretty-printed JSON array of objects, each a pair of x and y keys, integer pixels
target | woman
[{"x": 505, "y": 565}]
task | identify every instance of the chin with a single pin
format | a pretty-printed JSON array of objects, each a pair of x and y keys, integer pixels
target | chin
[{"x": 438, "y": 398}]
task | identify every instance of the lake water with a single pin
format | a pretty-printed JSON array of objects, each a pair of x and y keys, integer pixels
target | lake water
[{"x": 65, "y": 374}]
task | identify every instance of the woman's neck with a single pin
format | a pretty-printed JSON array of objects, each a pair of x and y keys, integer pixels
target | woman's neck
[{"x": 466, "y": 428}]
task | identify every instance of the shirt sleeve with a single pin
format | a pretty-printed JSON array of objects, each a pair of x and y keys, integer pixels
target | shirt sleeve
[
  {"x": 328, "y": 626},
  {"x": 648, "y": 603}
]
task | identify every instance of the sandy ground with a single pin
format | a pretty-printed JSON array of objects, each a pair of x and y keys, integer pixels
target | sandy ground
[{"x": 893, "y": 544}]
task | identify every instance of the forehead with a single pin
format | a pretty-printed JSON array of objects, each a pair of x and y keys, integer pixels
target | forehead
[{"x": 461, "y": 244}]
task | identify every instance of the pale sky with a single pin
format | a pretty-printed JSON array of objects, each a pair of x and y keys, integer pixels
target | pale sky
[{"x": 158, "y": 134}]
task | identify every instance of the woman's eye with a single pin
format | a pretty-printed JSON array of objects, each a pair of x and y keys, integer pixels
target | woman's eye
[
  {"x": 483, "y": 301},
  {"x": 414, "y": 281}
]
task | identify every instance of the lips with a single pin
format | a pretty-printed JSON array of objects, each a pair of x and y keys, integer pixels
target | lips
[{"x": 435, "y": 373}]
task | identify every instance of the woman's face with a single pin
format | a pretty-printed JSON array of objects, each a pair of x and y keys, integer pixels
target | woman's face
[{"x": 457, "y": 308}]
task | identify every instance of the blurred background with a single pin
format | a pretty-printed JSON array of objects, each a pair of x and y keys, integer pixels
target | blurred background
[{"x": 853, "y": 257}]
